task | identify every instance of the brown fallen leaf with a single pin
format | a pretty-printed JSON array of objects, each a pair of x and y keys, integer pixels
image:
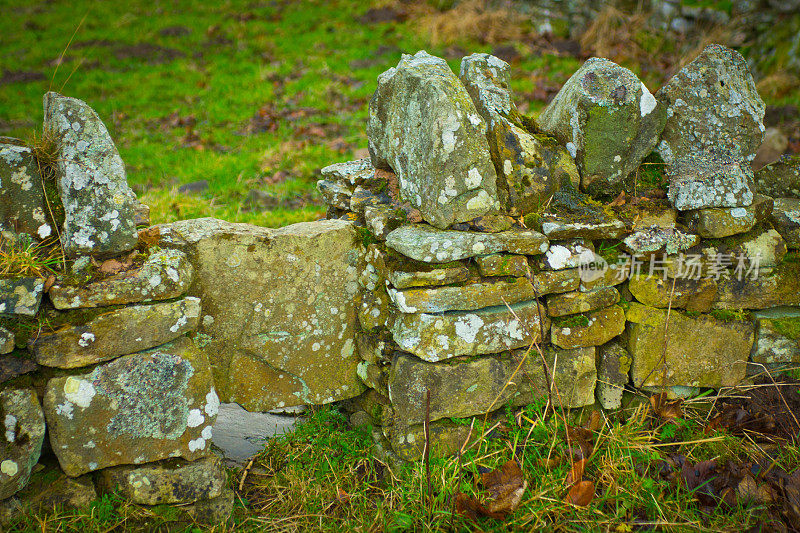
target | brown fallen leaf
[
  {"x": 619, "y": 200},
  {"x": 507, "y": 485},
  {"x": 665, "y": 408},
  {"x": 115, "y": 266},
  {"x": 149, "y": 236},
  {"x": 575, "y": 474},
  {"x": 581, "y": 437},
  {"x": 580, "y": 493},
  {"x": 342, "y": 496},
  {"x": 51, "y": 279}
]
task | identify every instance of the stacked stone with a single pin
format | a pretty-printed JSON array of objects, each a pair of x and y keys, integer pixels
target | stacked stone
[
  {"x": 122, "y": 390},
  {"x": 488, "y": 232}
]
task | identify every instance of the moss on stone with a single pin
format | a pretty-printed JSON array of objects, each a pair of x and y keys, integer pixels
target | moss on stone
[
  {"x": 571, "y": 321},
  {"x": 730, "y": 315},
  {"x": 787, "y": 326}
]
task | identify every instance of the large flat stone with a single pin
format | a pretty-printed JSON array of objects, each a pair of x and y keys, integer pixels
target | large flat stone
[
  {"x": 589, "y": 329},
  {"x": 760, "y": 289},
  {"x": 279, "y": 308},
  {"x": 120, "y": 332},
  {"x": 700, "y": 352},
  {"x": 135, "y": 409},
  {"x": 777, "y": 339},
  {"x": 165, "y": 274},
  {"x": 571, "y": 303},
  {"x": 435, "y": 337},
  {"x": 466, "y": 297}
]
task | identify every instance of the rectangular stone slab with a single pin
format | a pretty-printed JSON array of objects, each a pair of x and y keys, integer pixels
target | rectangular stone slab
[{"x": 701, "y": 352}]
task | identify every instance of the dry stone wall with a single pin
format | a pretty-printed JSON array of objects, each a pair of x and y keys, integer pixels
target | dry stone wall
[{"x": 478, "y": 259}]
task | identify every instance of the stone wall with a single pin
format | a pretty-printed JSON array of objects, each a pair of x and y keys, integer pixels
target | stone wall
[{"x": 478, "y": 257}]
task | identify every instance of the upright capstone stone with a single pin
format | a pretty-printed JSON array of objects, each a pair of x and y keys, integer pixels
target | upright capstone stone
[
  {"x": 424, "y": 126},
  {"x": 21, "y": 440},
  {"x": 530, "y": 168},
  {"x": 608, "y": 121},
  {"x": 714, "y": 128},
  {"x": 99, "y": 207}
]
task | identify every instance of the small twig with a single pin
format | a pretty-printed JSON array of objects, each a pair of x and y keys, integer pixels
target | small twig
[
  {"x": 245, "y": 472},
  {"x": 663, "y": 360}
]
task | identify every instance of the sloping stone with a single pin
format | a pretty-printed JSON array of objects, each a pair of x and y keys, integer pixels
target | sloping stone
[
  {"x": 436, "y": 337},
  {"x": 23, "y": 435},
  {"x": 279, "y": 308},
  {"x": 714, "y": 129},
  {"x": 780, "y": 179},
  {"x": 762, "y": 245},
  {"x": 786, "y": 220},
  {"x": 571, "y": 303},
  {"x": 135, "y": 409},
  {"x": 474, "y": 295},
  {"x": 404, "y": 273},
  {"x": 20, "y": 296},
  {"x": 556, "y": 281},
  {"x": 335, "y": 194},
  {"x": 165, "y": 274},
  {"x": 717, "y": 222},
  {"x": 167, "y": 481},
  {"x": 700, "y": 352},
  {"x": 124, "y": 331},
  {"x": 695, "y": 295},
  {"x": 613, "y": 366},
  {"x": 777, "y": 339},
  {"x": 424, "y": 126},
  {"x": 590, "y": 329},
  {"x": 608, "y": 121},
  {"x": 428, "y": 244},
  {"x": 6, "y": 341},
  {"x": 99, "y": 207},
  {"x": 351, "y": 172},
  {"x": 487, "y": 383},
  {"x": 769, "y": 287},
  {"x": 22, "y": 204}
]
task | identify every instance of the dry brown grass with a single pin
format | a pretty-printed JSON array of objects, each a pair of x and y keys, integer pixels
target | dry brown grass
[{"x": 481, "y": 20}]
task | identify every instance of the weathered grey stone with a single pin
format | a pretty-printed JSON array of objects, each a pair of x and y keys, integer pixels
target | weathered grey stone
[
  {"x": 240, "y": 434},
  {"x": 762, "y": 245},
  {"x": 424, "y": 126},
  {"x": 404, "y": 273},
  {"x": 165, "y": 274},
  {"x": 6, "y": 341},
  {"x": 608, "y": 121},
  {"x": 654, "y": 239},
  {"x": 573, "y": 215},
  {"x": 590, "y": 329},
  {"x": 99, "y": 207},
  {"x": 769, "y": 287},
  {"x": 363, "y": 198},
  {"x": 556, "y": 281},
  {"x": 166, "y": 481},
  {"x": 446, "y": 438},
  {"x": 571, "y": 303},
  {"x": 383, "y": 219},
  {"x": 279, "y": 308},
  {"x": 714, "y": 129},
  {"x": 212, "y": 512},
  {"x": 487, "y": 383},
  {"x": 786, "y": 220},
  {"x": 613, "y": 366},
  {"x": 135, "y": 409},
  {"x": 568, "y": 254},
  {"x": 23, "y": 435},
  {"x": 487, "y": 80},
  {"x": 120, "y": 332},
  {"x": 495, "y": 329},
  {"x": 710, "y": 179},
  {"x": 335, "y": 194},
  {"x": 428, "y": 244},
  {"x": 700, "y": 352},
  {"x": 466, "y": 297},
  {"x": 20, "y": 296},
  {"x": 502, "y": 265},
  {"x": 22, "y": 203},
  {"x": 647, "y": 212},
  {"x": 696, "y": 295},
  {"x": 613, "y": 274},
  {"x": 350, "y": 172},
  {"x": 780, "y": 179},
  {"x": 718, "y": 222},
  {"x": 777, "y": 340}
]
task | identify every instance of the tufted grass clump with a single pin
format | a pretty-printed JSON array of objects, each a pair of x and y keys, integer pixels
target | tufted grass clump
[{"x": 21, "y": 256}]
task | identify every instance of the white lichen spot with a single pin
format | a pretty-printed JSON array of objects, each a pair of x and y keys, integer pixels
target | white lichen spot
[
  {"x": 207, "y": 433},
  {"x": 473, "y": 179},
  {"x": 197, "y": 444},
  {"x": 474, "y": 119},
  {"x": 648, "y": 101},
  {"x": 738, "y": 212},
  {"x": 10, "y": 423},
  {"x": 79, "y": 391},
  {"x": 44, "y": 231},
  {"x": 86, "y": 339},
  {"x": 9, "y": 468},
  {"x": 572, "y": 149},
  {"x": 195, "y": 418},
  {"x": 315, "y": 347},
  {"x": 558, "y": 256},
  {"x": 507, "y": 167},
  {"x": 64, "y": 409},
  {"x": 179, "y": 324},
  {"x": 467, "y": 327},
  {"x": 90, "y": 445}
]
